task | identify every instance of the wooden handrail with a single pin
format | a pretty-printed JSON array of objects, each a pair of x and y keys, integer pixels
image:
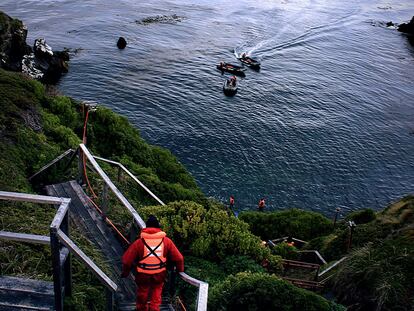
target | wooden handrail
[
  {"x": 332, "y": 266},
  {"x": 60, "y": 214},
  {"x": 202, "y": 296},
  {"x": 133, "y": 177},
  {"x": 24, "y": 237},
  {"x": 54, "y": 161},
  {"x": 111, "y": 185},
  {"x": 85, "y": 259},
  {"x": 33, "y": 198}
]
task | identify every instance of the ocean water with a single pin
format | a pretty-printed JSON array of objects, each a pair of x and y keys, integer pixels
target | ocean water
[{"x": 327, "y": 122}]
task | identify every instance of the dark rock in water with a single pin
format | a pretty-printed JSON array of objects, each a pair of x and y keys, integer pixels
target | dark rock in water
[
  {"x": 121, "y": 44},
  {"x": 389, "y": 24},
  {"x": 12, "y": 43},
  {"x": 407, "y": 28}
]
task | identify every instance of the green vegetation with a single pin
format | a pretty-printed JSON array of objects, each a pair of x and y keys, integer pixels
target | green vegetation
[
  {"x": 258, "y": 291},
  {"x": 292, "y": 222},
  {"x": 34, "y": 129},
  {"x": 219, "y": 248},
  {"x": 361, "y": 216}
]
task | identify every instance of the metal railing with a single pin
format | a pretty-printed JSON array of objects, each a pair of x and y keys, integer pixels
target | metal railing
[
  {"x": 202, "y": 296},
  {"x": 61, "y": 247},
  {"x": 123, "y": 168},
  {"x": 84, "y": 154}
]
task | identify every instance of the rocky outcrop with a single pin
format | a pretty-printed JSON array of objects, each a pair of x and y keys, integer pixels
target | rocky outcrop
[
  {"x": 12, "y": 43},
  {"x": 121, "y": 44},
  {"x": 40, "y": 63},
  {"x": 407, "y": 28}
]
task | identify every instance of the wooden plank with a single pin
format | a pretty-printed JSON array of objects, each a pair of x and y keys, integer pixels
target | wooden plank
[
  {"x": 21, "y": 307},
  {"x": 23, "y": 237},
  {"x": 300, "y": 264},
  {"x": 114, "y": 189},
  {"x": 26, "y": 285},
  {"x": 121, "y": 166},
  {"x": 54, "y": 161},
  {"x": 87, "y": 261},
  {"x": 33, "y": 198}
]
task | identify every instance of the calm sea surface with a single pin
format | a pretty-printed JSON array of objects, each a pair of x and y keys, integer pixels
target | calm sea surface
[{"x": 326, "y": 123}]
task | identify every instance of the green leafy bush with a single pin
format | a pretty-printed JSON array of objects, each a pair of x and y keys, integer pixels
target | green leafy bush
[
  {"x": 361, "y": 216},
  {"x": 292, "y": 222},
  {"x": 286, "y": 251},
  {"x": 258, "y": 291},
  {"x": 210, "y": 234}
]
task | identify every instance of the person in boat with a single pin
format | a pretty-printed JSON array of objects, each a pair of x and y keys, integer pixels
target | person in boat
[
  {"x": 244, "y": 55},
  {"x": 221, "y": 65},
  {"x": 149, "y": 255},
  {"x": 233, "y": 80}
]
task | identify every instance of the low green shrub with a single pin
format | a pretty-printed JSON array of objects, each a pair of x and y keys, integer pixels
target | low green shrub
[
  {"x": 258, "y": 291},
  {"x": 210, "y": 234},
  {"x": 361, "y": 216},
  {"x": 292, "y": 222},
  {"x": 286, "y": 251}
]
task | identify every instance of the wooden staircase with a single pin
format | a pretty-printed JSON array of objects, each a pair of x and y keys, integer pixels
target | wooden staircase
[
  {"x": 25, "y": 294},
  {"x": 84, "y": 216}
]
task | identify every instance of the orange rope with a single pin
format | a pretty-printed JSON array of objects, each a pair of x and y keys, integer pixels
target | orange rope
[
  {"x": 84, "y": 157},
  {"x": 181, "y": 303},
  {"x": 107, "y": 220}
]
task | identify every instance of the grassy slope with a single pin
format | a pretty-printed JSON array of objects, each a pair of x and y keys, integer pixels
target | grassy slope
[{"x": 34, "y": 129}]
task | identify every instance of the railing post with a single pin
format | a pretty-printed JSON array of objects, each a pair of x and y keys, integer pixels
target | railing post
[
  {"x": 109, "y": 299},
  {"x": 81, "y": 179},
  {"x": 119, "y": 173},
  {"x": 104, "y": 199},
  {"x": 67, "y": 267},
  {"x": 57, "y": 271},
  {"x": 134, "y": 231}
]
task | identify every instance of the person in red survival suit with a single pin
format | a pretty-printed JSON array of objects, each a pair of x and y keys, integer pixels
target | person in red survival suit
[{"x": 151, "y": 251}]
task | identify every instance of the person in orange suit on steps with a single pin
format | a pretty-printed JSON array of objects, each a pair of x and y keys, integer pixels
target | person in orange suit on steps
[{"x": 151, "y": 251}]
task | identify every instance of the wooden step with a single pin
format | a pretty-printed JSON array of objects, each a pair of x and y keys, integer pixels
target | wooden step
[{"x": 25, "y": 294}]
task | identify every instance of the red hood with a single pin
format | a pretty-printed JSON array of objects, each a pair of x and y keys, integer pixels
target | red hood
[{"x": 151, "y": 230}]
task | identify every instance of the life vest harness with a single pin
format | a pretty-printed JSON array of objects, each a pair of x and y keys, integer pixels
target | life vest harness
[{"x": 151, "y": 267}]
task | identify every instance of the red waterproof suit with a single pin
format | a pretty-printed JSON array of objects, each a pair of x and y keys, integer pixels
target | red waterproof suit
[{"x": 150, "y": 283}]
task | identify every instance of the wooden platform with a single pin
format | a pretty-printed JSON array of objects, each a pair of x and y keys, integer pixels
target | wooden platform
[
  {"x": 25, "y": 294},
  {"x": 84, "y": 216}
]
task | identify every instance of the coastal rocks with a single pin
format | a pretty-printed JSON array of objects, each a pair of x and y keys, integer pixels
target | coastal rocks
[
  {"x": 44, "y": 64},
  {"x": 407, "y": 28},
  {"x": 162, "y": 19},
  {"x": 40, "y": 63},
  {"x": 12, "y": 43},
  {"x": 42, "y": 50},
  {"x": 121, "y": 44}
]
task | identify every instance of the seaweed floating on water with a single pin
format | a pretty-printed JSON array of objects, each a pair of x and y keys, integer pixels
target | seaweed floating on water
[{"x": 162, "y": 19}]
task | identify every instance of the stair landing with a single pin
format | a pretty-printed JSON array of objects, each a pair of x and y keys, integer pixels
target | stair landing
[{"x": 25, "y": 294}]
